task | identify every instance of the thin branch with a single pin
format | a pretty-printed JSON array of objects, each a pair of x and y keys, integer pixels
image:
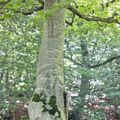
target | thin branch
[
  {"x": 72, "y": 21},
  {"x": 71, "y": 58},
  {"x": 105, "y": 62},
  {"x": 74, "y": 61}
]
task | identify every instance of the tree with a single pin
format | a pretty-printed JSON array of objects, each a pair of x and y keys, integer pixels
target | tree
[{"x": 49, "y": 100}]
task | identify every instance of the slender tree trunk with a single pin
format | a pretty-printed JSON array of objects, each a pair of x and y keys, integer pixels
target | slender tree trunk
[
  {"x": 49, "y": 99},
  {"x": 85, "y": 84}
]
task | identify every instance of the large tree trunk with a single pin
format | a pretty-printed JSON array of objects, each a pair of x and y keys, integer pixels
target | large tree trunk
[{"x": 48, "y": 101}]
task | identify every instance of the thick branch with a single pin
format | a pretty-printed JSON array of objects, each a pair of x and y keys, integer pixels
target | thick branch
[
  {"x": 88, "y": 17},
  {"x": 105, "y": 62},
  {"x": 92, "y": 18}
]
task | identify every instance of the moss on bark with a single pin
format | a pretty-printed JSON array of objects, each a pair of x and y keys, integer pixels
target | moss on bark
[{"x": 51, "y": 107}]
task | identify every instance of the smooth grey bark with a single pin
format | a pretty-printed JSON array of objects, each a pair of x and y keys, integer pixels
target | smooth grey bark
[{"x": 49, "y": 99}]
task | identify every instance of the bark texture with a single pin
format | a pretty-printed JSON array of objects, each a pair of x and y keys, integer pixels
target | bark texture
[{"x": 49, "y": 99}]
